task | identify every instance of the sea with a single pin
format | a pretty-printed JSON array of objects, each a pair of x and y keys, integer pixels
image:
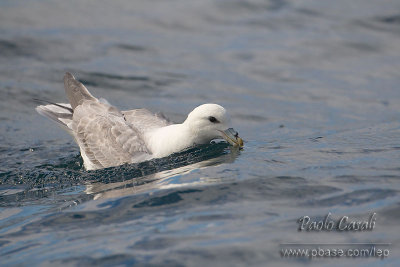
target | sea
[{"x": 312, "y": 87}]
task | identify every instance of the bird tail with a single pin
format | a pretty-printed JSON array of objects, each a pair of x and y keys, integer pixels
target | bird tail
[
  {"x": 58, "y": 112},
  {"x": 62, "y": 112}
]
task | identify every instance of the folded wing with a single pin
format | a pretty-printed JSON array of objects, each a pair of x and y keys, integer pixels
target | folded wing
[
  {"x": 104, "y": 135},
  {"x": 144, "y": 120}
]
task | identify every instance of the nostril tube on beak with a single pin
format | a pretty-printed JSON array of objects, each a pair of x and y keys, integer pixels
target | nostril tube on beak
[{"x": 232, "y": 137}]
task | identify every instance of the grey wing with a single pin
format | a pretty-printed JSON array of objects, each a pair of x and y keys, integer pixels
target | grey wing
[
  {"x": 104, "y": 137},
  {"x": 144, "y": 120},
  {"x": 76, "y": 91}
]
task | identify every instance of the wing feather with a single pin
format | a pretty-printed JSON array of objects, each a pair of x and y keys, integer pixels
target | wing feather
[
  {"x": 76, "y": 91},
  {"x": 144, "y": 120},
  {"x": 104, "y": 136}
]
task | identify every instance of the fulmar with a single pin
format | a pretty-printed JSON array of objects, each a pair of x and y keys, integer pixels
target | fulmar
[{"x": 109, "y": 137}]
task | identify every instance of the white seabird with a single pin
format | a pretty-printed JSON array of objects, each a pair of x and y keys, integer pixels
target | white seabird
[{"x": 109, "y": 137}]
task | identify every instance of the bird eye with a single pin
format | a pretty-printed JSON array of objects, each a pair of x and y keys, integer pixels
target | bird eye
[{"x": 213, "y": 119}]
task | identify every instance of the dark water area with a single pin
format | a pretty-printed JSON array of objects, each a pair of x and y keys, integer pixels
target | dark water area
[{"x": 313, "y": 87}]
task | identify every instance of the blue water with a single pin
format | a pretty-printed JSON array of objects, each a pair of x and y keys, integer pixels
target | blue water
[{"x": 313, "y": 87}]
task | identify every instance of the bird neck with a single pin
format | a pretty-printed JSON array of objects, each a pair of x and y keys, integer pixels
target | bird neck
[{"x": 171, "y": 139}]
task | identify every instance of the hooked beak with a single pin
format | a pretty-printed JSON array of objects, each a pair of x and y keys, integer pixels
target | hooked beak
[{"x": 232, "y": 137}]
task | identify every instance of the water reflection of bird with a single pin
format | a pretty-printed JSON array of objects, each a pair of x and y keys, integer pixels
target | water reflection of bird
[
  {"x": 159, "y": 180},
  {"x": 109, "y": 137}
]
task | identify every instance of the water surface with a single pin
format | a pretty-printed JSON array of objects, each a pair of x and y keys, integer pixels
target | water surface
[{"x": 312, "y": 87}]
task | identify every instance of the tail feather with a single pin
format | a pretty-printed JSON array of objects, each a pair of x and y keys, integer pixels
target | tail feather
[
  {"x": 61, "y": 112},
  {"x": 61, "y": 105},
  {"x": 58, "y": 112},
  {"x": 76, "y": 91}
]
